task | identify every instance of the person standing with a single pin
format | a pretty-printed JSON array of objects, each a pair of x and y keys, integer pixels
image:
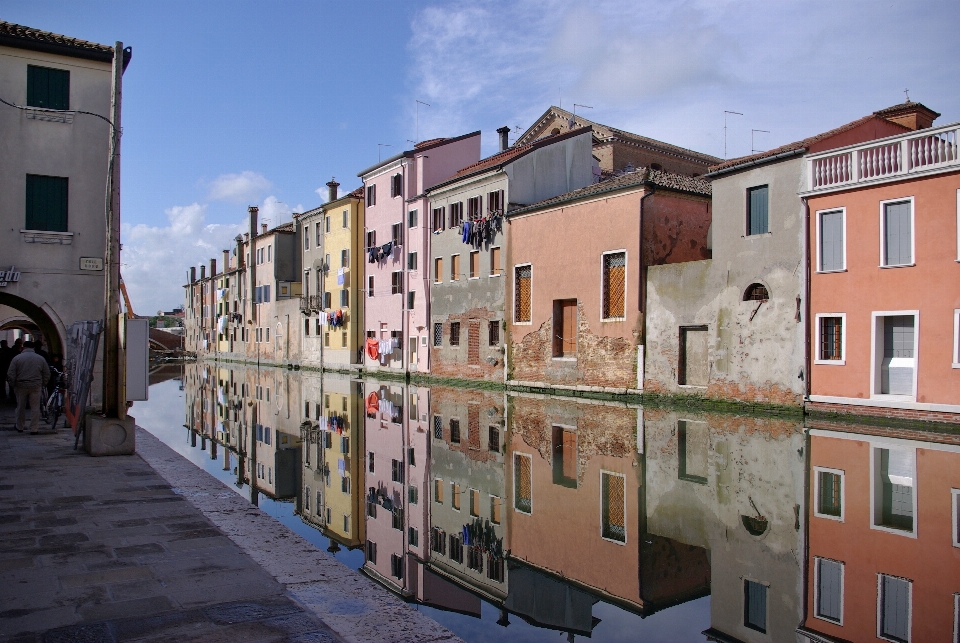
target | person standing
[{"x": 27, "y": 374}]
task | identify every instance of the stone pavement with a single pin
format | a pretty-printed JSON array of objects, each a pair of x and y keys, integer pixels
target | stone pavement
[{"x": 105, "y": 549}]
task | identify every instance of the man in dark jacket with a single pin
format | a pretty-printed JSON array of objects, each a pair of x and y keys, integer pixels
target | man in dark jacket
[{"x": 27, "y": 374}]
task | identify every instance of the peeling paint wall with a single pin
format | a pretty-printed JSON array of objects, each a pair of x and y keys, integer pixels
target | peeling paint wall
[{"x": 755, "y": 350}]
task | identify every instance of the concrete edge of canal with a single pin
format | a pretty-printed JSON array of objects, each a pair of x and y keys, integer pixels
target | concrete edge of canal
[{"x": 352, "y": 605}]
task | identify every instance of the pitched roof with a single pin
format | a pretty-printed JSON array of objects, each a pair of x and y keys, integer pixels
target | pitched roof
[
  {"x": 422, "y": 146},
  {"x": 510, "y": 154},
  {"x": 427, "y": 143},
  {"x": 615, "y": 182},
  {"x": 607, "y": 133},
  {"x": 805, "y": 144},
  {"x": 21, "y": 37}
]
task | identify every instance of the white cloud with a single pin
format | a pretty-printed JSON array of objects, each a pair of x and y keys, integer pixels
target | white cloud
[
  {"x": 275, "y": 212},
  {"x": 245, "y": 187},
  {"x": 155, "y": 259}
]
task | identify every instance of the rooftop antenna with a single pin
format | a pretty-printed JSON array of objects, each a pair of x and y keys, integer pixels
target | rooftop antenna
[
  {"x": 419, "y": 103},
  {"x": 380, "y": 147},
  {"x": 518, "y": 130},
  {"x": 573, "y": 121},
  {"x": 725, "y": 112},
  {"x": 905, "y": 93},
  {"x": 753, "y": 151}
]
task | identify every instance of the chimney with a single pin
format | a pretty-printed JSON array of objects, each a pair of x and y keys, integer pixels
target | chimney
[
  {"x": 909, "y": 114},
  {"x": 332, "y": 186},
  {"x": 504, "y": 133},
  {"x": 213, "y": 267},
  {"x": 193, "y": 274},
  {"x": 226, "y": 260},
  {"x": 203, "y": 272},
  {"x": 263, "y": 228}
]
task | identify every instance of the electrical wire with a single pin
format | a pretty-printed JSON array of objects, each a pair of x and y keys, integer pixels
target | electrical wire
[{"x": 47, "y": 109}]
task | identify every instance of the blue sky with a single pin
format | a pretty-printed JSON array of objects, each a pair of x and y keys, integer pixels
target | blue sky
[{"x": 234, "y": 103}]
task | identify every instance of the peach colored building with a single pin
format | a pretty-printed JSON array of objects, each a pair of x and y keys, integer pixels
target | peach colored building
[
  {"x": 884, "y": 263},
  {"x": 575, "y": 295},
  {"x": 883, "y": 557}
]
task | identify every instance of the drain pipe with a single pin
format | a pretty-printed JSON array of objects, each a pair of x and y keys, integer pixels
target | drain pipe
[
  {"x": 805, "y": 293},
  {"x": 642, "y": 299}
]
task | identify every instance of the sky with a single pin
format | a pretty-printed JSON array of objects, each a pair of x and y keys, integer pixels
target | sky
[{"x": 230, "y": 104}]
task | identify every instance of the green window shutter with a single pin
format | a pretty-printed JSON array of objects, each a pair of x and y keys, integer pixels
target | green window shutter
[
  {"x": 757, "y": 214},
  {"x": 898, "y": 246},
  {"x": 46, "y": 203},
  {"x": 48, "y": 87},
  {"x": 831, "y": 240}
]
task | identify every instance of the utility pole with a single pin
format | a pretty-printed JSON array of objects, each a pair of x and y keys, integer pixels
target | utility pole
[{"x": 113, "y": 406}]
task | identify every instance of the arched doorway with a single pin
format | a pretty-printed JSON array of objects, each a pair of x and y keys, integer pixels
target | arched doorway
[{"x": 31, "y": 319}]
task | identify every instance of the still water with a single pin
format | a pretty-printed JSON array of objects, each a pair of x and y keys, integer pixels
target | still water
[{"x": 532, "y": 518}]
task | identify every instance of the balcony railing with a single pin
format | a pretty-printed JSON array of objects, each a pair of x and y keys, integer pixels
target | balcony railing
[
  {"x": 311, "y": 303},
  {"x": 890, "y": 158}
]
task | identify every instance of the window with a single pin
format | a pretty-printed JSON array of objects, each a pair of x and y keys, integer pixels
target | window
[
  {"x": 493, "y": 333},
  {"x": 494, "y": 262},
  {"x": 955, "y": 509},
  {"x": 893, "y": 608},
  {"x": 828, "y": 602},
  {"x": 345, "y": 258},
  {"x": 495, "y": 509},
  {"x": 956, "y": 338},
  {"x": 613, "y": 507},
  {"x": 757, "y": 210},
  {"x": 523, "y": 483},
  {"x": 614, "y": 285},
  {"x": 454, "y": 333},
  {"x": 475, "y": 264},
  {"x": 523, "y": 278},
  {"x": 830, "y": 343},
  {"x": 412, "y": 217},
  {"x": 306, "y": 242},
  {"x": 396, "y": 185},
  {"x": 327, "y": 300},
  {"x": 894, "y": 498},
  {"x": 345, "y": 444},
  {"x": 319, "y": 239},
  {"x": 370, "y": 461},
  {"x": 456, "y": 214},
  {"x": 47, "y": 87},
  {"x": 413, "y": 536},
  {"x": 411, "y": 299},
  {"x": 438, "y": 540},
  {"x": 756, "y": 292},
  {"x": 474, "y": 558},
  {"x": 326, "y": 224},
  {"x": 413, "y": 495},
  {"x": 371, "y": 195},
  {"x": 474, "y": 205},
  {"x": 372, "y": 552},
  {"x": 346, "y": 219},
  {"x": 455, "y": 268},
  {"x": 326, "y": 339},
  {"x": 828, "y": 491},
  {"x": 456, "y": 548},
  {"x": 344, "y": 298},
  {"x": 371, "y": 238},
  {"x": 495, "y": 201},
  {"x": 396, "y": 234},
  {"x": 345, "y": 484},
  {"x": 396, "y": 471},
  {"x": 831, "y": 248},
  {"x": 397, "y": 518},
  {"x": 411, "y": 261},
  {"x": 896, "y": 233},
  {"x": 370, "y": 286},
  {"x": 396, "y": 283},
  {"x": 755, "y": 605},
  {"x": 693, "y": 447},
  {"x": 439, "y": 219},
  {"x": 455, "y": 495},
  {"x": 396, "y": 566},
  {"x": 455, "y": 431},
  {"x": 895, "y": 350},
  {"x": 474, "y": 502},
  {"x": 438, "y": 491},
  {"x": 438, "y": 270},
  {"x": 564, "y": 442},
  {"x": 493, "y": 439},
  {"x": 47, "y": 203}
]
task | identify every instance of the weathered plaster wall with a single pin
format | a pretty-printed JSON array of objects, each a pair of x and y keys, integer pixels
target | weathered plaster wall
[{"x": 551, "y": 170}]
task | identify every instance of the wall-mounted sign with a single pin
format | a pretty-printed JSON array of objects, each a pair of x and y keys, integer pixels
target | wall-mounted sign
[
  {"x": 91, "y": 263},
  {"x": 7, "y": 276}
]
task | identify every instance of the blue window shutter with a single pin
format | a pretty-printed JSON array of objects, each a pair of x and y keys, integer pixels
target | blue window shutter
[
  {"x": 828, "y": 590},
  {"x": 896, "y": 598},
  {"x": 758, "y": 210}
]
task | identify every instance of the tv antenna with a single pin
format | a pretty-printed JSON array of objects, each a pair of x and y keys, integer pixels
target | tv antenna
[
  {"x": 752, "y": 151},
  {"x": 573, "y": 121},
  {"x": 725, "y": 112},
  {"x": 419, "y": 103},
  {"x": 380, "y": 147}
]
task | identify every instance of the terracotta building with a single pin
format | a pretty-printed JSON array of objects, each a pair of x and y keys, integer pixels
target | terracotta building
[{"x": 884, "y": 317}]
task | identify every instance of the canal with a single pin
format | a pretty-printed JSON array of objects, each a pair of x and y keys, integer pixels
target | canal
[{"x": 533, "y": 518}]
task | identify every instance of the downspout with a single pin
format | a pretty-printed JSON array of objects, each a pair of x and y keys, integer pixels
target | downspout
[
  {"x": 642, "y": 299},
  {"x": 805, "y": 293}
]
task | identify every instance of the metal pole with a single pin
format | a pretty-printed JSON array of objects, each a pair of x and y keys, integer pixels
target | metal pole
[{"x": 112, "y": 371}]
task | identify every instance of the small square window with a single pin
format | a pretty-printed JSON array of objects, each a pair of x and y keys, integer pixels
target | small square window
[{"x": 830, "y": 342}]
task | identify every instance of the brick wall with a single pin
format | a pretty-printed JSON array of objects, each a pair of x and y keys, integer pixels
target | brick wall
[
  {"x": 885, "y": 412},
  {"x": 469, "y": 360}
]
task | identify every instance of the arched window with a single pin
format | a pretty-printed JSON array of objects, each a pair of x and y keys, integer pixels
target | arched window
[{"x": 756, "y": 292}]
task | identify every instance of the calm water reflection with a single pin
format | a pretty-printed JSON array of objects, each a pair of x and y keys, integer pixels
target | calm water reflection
[{"x": 524, "y": 516}]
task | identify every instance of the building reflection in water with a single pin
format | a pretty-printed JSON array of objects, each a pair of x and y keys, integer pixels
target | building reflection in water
[{"x": 544, "y": 507}]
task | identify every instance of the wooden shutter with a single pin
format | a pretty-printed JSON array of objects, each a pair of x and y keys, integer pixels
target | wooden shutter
[
  {"x": 831, "y": 240},
  {"x": 895, "y": 620},
  {"x": 758, "y": 210},
  {"x": 47, "y": 198},
  {"x": 494, "y": 261},
  {"x": 898, "y": 244},
  {"x": 828, "y": 589}
]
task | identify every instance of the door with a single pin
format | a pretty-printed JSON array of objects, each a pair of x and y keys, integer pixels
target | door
[
  {"x": 473, "y": 343},
  {"x": 694, "y": 368},
  {"x": 565, "y": 328},
  {"x": 897, "y": 364}
]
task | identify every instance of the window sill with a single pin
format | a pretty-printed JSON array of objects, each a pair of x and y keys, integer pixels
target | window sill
[
  {"x": 816, "y": 514},
  {"x": 495, "y": 274},
  {"x": 522, "y": 323},
  {"x": 49, "y": 115},
  {"x": 829, "y": 272},
  {"x": 693, "y": 386},
  {"x": 756, "y": 236},
  {"x": 48, "y": 237},
  {"x": 830, "y": 362},
  {"x": 898, "y": 532},
  {"x": 900, "y": 265},
  {"x": 613, "y": 320},
  {"x": 955, "y": 365},
  {"x": 879, "y": 397}
]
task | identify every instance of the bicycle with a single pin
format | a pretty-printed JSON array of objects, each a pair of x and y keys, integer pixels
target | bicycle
[{"x": 53, "y": 406}]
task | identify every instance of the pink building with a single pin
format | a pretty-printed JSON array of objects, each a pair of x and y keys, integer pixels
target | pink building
[{"x": 397, "y": 248}]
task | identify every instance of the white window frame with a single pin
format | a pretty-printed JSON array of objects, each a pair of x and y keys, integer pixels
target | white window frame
[
  {"x": 816, "y": 493},
  {"x": 843, "y": 213},
  {"x": 876, "y": 342},
  {"x": 614, "y": 474},
  {"x": 626, "y": 259},
  {"x": 955, "y": 514},
  {"x": 874, "y": 447},
  {"x": 956, "y": 338},
  {"x": 514, "y": 314},
  {"x": 843, "y": 340},
  {"x": 880, "y": 607},
  {"x": 816, "y": 587},
  {"x": 913, "y": 233}
]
